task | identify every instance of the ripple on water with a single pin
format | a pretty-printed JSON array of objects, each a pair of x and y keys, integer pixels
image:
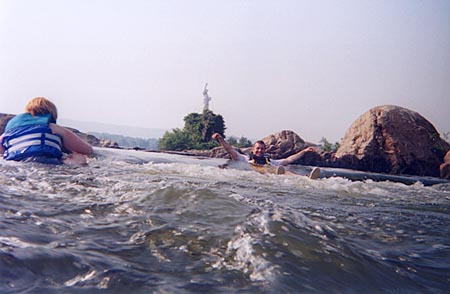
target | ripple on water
[{"x": 161, "y": 225}]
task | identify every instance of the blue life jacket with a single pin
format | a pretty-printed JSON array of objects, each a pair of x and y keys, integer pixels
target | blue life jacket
[
  {"x": 28, "y": 136},
  {"x": 256, "y": 160}
]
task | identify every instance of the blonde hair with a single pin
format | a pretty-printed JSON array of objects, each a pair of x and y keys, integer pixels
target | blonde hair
[{"x": 40, "y": 106}]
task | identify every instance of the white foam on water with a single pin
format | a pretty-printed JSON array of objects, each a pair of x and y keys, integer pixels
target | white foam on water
[
  {"x": 16, "y": 242},
  {"x": 114, "y": 171},
  {"x": 125, "y": 182},
  {"x": 242, "y": 255},
  {"x": 80, "y": 278}
]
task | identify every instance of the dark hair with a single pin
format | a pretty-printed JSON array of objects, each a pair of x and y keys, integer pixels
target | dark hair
[{"x": 260, "y": 142}]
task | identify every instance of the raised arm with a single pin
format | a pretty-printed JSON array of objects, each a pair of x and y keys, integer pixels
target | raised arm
[
  {"x": 233, "y": 153},
  {"x": 293, "y": 158},
  {"x": 71, "y": 141}
]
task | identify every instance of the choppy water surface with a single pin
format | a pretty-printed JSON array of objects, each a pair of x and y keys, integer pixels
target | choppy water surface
[{"x": 134, "y": 222}]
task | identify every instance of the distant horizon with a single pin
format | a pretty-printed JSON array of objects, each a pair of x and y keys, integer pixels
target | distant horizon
[
  {"x": 113, "y": 129},
  {"x": 134, "y": 131}
]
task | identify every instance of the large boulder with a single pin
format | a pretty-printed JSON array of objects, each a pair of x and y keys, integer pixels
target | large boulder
[
  {"x": 445, "y": 167},
  {"x": 395, "y": 140},
  {"x": 279, "y": 145},
  {"x": 4, "y": 118},
  {"x": 219, "y": 152},
  {"x": 283, "y": 144}
]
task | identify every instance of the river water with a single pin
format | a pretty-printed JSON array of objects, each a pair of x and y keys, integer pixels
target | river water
[{"x": 137, "y": 222}]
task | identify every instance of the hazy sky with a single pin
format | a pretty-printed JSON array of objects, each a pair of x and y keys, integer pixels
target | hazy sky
[{"x": 308, "y": 66}]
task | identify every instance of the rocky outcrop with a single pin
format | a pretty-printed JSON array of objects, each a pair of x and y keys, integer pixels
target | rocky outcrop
[
  {"x": 395, "y": 140},
  {"x": 286, "y": 143},
  {"x": 94, "y": 141},
  {"x": 283, "y": 144},
  {"x": 4, "y": 118},
  {"x": 387, "y": 139},
  {"x": 219, "y": 152},
  {"x": 279, "y": 145},
  {"x": 445, "y": 167}
]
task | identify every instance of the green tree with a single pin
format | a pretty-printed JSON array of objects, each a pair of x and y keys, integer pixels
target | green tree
[
  {"x": 232, "y": 140},
  {"x": 244, "y": 142},
  {"x": 336, "y": 146},
  {"x": 326, "y": 145},
  {"x": 193, "y": 126},
  {"x": 211, "y": 123},
  {"x": 196, "y": 134},
  {"x": 241, "y": 142},
  {"x": 177, "y": 140}
]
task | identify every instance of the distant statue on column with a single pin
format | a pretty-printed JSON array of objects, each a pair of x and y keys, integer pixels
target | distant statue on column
[{"x": 206, "y": 98}]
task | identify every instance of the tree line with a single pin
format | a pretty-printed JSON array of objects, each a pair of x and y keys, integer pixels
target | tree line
[{"x": 129, "y": 142}]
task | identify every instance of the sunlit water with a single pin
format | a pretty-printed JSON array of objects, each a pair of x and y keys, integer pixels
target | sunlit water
[{"x": 136, "y": 222}]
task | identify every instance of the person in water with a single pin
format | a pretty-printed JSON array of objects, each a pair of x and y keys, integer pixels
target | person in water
[
  {"x": 34, "y": 136},
  {"x": 259, "y": 157}
]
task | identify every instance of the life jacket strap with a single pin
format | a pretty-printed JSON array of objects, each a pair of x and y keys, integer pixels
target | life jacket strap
[
  {"x": 35, "y": 139},
  {"x": 259, "y": 160},
  {"x": 27, "y": 141}
]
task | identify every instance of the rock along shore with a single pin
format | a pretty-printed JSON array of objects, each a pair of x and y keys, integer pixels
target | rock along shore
[{"x": 386, "y": 139}]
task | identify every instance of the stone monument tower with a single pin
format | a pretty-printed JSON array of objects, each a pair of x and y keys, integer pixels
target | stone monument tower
[{"x": 206, "y": 98}]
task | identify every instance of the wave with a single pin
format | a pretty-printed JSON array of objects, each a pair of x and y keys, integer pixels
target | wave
[{"x": 153, "y": 222}]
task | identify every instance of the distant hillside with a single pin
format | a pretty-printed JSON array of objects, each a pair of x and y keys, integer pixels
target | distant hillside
[
  {"x": 90, "y": 127},
  {"x": 129, "y": 142}
]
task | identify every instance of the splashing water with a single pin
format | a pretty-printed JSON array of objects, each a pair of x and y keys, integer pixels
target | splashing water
[{"x": 157, "y": 223}]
